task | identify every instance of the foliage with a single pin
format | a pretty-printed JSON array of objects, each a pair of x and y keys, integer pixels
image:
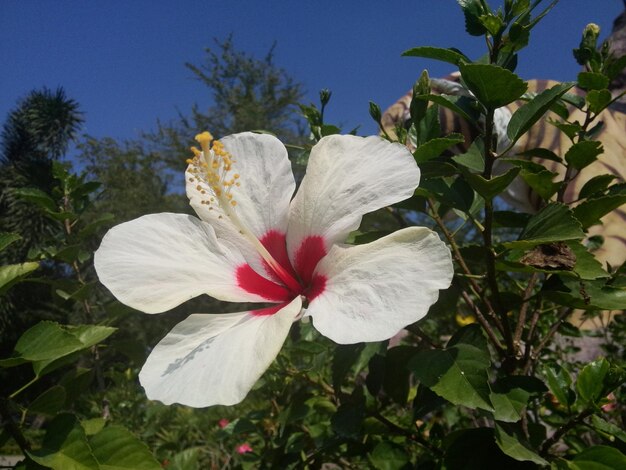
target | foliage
[{"x": 491, "y": 378}]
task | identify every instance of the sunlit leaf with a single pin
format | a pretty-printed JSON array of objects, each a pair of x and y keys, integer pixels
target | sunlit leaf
[
  {"x": 451, "y": 56},
  {"x": 554, "y": 223},
  {"x": 492, "y": 85},
  {"x": 528, "y": 114},
  {"x": 12, "y": 273}
]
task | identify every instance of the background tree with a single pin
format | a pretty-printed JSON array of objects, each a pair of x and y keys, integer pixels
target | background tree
[
  {"x": 247, "y": 94},
  {"x": 35, "y": 134}
]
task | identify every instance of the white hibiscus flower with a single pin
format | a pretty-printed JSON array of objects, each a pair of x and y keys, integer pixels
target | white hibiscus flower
[{"x": 253, "y": 243}]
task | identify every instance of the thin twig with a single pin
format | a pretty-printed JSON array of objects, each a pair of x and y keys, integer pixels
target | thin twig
[
  {"x": 551, "y": 332},
  {"x": 458, "y": 257},
  {"x": 417, "y": 331},
  {"x": 396, "y": 215},
  {"x": 517, "y": 337},
  {"x": 484, "y": 323}
]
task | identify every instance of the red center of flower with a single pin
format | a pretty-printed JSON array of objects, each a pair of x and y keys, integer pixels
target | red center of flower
[{"x": 287, "y": 281}]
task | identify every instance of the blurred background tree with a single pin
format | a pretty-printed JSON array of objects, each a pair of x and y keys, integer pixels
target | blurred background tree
[{"x": 35, "y": 134}]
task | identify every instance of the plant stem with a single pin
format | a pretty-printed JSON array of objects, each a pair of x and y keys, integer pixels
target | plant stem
[
  {"x": 545, "y": 447},
  {"x": 492, "y": 280},
  {"x": 523, "y": 311},
  {"x": 458, "y": 257},
  {"x": 23, "y": 387},
  {"x": 11, "y": 428},
  {"x": 484, "y": 323},
  {"x": 417, "y": 331}
]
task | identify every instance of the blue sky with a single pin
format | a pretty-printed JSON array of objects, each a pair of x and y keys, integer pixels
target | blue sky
[{"x": 123, "y": 61}]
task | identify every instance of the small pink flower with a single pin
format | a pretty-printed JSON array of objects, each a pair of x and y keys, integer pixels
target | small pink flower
[
  {"x": 611, "y": 405},
  {"x": 222, "y": 423},
  {"x": 244, "y": 448}
]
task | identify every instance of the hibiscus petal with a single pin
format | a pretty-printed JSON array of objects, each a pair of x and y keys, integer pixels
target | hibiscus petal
[
  {"x": 347, "y": 177},
  {"x": 266, "y": 185},
  {"x": 372, "y": 291},
  {"x": 216, "y": 359},
  {"x": 159, "y": 261}
]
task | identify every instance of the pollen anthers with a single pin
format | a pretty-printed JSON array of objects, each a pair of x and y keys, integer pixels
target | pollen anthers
[{"x": 212, "y": 165}]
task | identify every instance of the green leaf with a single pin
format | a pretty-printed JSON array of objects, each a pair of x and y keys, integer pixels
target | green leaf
[
  {"x": 599, "y": 458},
  {"x": 116, "y": 448},
  {"x": 473, "y": 10},
  {"x": 542, "y": 183},
  {"x": 588, "y": 295},
  {"x": 609, "y": 430},
  {"x": 387, "y": 456},
  {"x": 48, "y": 342},
  {"x": 590, "y": 382},
  {"x": 7, "y": 238},
  {"x": 13, "y": 273},
  {"x": 510, "y": 219},
  {"x": 592, "y": 81},
  {"x": 597, "y": 184},
  {"x": 587, "y": 266},
  {"x": 492, "y": 23},
  {"x": 49, "y": 402},
  {"x": 583, "y": 153},
  {"x": 492, "y": 85},
  {"x": 435, "y": 147},
  {"x": 590, "y": 212},
  {"x": 510, "y": 395},
  {"x": 537, "y": 177},
  {"x": 45, "y": 341},
  {"x": 459, "y": 372},
  {"x": 89, "y": 335},
  {"x": 452, "y": 56},
  {"x": 93, "y": 426},
  {"x": 65, "y": 446},
  {"x": 554, "y": 223},
  {"x": 559, "y": 382},
  {"x": 186, "y": 459},
  {"x": 464, "y": 106},
  {"x": 489, "y": 189},
  {"x": 528, "y": 114},
  {"x": 474, "y": 157},
  {"x": 512, "y": 446},
  {"x": 598, "y": 100},
  {"x": 38, "y": 197}
]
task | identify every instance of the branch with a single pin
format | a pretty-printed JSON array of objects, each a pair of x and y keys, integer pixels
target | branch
[{"x": 545, "y": 447}]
